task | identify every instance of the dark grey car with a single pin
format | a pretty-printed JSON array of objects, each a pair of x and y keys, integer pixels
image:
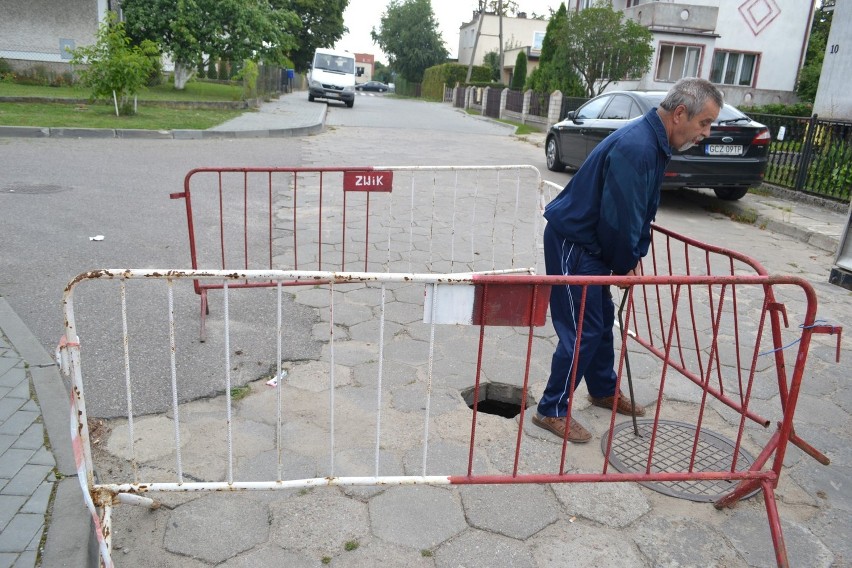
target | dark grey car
[
  {"x": 372, "y": 86},
  {"x": 732, "y": 159}
]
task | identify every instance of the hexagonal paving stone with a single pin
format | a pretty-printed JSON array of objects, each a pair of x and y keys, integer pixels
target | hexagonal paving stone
[
  {"x": 319, "y": 522},
  {"x": 583, "y": 545},
  {"x": 418, "y": 516},
  {"x": 611, "y": 504},
  {"x": 478, "y": 549},
  {"x": 216, "y": 527},
  {"x": 517, "y": 511}
]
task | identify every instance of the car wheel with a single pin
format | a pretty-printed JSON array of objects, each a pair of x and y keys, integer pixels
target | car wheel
[
  {"x": 551, "y": 152},
  {"x": 730, "y": 193},
  {"x": 310, "y": 98},
  {"x": 350, "y": 104}
]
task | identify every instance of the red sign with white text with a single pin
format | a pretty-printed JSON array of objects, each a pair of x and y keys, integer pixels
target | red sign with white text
[{"x": 368, "y": 180}]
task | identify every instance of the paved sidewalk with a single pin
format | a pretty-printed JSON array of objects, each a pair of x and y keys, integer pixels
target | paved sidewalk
[
  {"x": 37, "y": 473},
  {"x": 34, "y": 401}
]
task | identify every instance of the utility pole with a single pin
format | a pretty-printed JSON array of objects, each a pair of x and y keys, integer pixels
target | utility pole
[
  {"x": 500, "y": 36},
  {"x": 475, "y": 39}
]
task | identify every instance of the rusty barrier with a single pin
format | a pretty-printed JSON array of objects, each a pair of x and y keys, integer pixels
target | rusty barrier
[
  {"x": 701, "y": 324},
  {"x": 436, "y": 219}
]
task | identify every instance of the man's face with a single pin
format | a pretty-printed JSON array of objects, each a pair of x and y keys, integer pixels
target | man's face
[{"x": 687, "y": 131}]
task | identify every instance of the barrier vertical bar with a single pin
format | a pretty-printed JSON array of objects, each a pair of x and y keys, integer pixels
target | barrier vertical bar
[
  {"x": 430, "y": 368},
  {"x": 228, "y": 422},
  {"x": 125, "y": 341},
  {"x": 279, "y": 331},
  {"x": 379, "y": 380},
  {"x": 172, "y": 361},
  {"x": 331, "y": 376}
]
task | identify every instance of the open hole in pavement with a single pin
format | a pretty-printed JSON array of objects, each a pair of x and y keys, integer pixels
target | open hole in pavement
[{"x": 498, "y": 399}]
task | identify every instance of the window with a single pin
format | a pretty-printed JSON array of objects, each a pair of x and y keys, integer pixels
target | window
[
  {"x": 732, "y": 68},
  {"x": 592, "y": 108},
  {"x": 677, "y": 61},
  {"x": 622, "y": 107}
]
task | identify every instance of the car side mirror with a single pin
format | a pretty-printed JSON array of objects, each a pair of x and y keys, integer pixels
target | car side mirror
[{"x": 571, "y": 115}]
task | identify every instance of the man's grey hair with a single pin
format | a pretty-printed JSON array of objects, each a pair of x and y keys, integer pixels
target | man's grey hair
[{"x": 693, "y": 93}]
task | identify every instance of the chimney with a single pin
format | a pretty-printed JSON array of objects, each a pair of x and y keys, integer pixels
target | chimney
[{"x": 522, "y": 15}]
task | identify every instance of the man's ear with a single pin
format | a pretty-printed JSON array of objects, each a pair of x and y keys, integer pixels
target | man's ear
[{"x": 680, "y": 113}]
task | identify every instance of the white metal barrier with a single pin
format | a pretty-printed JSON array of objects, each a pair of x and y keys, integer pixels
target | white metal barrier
[{"x": 515, "y": 303}]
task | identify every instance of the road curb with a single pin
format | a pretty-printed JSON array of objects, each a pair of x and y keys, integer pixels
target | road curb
[
  {"x": 139, "y": 134},
  {"x": 68, "y": 524}
]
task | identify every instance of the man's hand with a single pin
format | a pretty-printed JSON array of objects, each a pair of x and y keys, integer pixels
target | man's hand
[{"x": 635, "y": 271}]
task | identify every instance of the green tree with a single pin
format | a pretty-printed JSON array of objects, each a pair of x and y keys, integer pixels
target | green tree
[
  {"x": 408, "y": 34},
  {"x": 519, "y": 76},
  {"x": 191, "y": 31},
  {"x": 322, "y": 26},
  {"x": 806, "y": 87},
  {"x": 505, "y": 7},
  {"x": 603, "y": 47},
  {"x": 554, "y": 72},
  {"x": 114, "y": 69},
  {"x": 492, "y": 61},
  {"x": 382, "y": 72}
]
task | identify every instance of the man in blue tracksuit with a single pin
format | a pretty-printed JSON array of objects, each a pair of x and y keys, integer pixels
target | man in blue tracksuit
[{"x": 600, "y": 224}]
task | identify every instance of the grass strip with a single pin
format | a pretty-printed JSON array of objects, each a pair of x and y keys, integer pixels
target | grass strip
[{"x": 100, "y": 115}]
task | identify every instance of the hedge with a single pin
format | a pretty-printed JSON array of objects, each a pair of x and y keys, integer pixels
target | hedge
[{"x": 434, "y": 78}]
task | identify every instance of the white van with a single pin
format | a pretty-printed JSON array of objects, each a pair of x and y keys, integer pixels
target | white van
[{"x": 332, "y": 76}]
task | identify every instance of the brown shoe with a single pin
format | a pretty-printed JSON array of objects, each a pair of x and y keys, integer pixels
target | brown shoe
[
  {"x": 576, "y": 432},
  {"x": 623, "y": 406}
]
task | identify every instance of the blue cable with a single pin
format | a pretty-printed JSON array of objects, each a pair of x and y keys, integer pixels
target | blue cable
[{"x": 801, "y": 326}]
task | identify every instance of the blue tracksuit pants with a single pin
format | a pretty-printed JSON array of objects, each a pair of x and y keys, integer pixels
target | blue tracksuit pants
[{"x": 595, "y": 361}]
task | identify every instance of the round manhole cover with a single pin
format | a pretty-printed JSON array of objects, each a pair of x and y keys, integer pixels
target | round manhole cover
[
  {"x": 33, "y": 188},
  {"x": 672, "y": 453}
]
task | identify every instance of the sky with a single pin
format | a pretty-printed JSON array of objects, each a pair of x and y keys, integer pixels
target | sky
[{"x": 361, "y": 16}]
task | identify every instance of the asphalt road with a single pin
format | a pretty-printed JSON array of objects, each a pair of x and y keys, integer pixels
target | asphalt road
[{"x": 55, "y": 194}]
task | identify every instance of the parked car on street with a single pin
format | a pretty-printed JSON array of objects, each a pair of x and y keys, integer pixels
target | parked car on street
[
  {"x": 732, "y": 159},
  {"x": 372, "y": 86}
]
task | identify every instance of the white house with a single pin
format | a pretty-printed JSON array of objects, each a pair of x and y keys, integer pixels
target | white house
[
  {"x": 519, "y": 34},
  {"x": 41, "y": 30},
  {"x": 752, "y": 49}
]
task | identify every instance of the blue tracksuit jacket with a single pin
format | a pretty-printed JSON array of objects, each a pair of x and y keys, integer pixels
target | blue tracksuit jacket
[
  {"x": 608, "y": 206},
  {"x": 599, "y": 224}
]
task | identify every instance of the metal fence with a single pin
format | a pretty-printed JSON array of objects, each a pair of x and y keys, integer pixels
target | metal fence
[
  {"x": 515, "y": 101},
  {"x": 810, "y": 155},
  {"x": 492, "y": 103},
  {"x": 569, "y": 104},
  {"x": 347, "y": 218},
  {"x": 702, "y": 317},
  {"x": 539, "y": 104}
]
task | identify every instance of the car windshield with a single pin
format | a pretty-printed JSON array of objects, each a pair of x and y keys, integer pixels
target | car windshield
[
  {"x": 727, "y": 114},
  {"x": 335, "y": 63}
]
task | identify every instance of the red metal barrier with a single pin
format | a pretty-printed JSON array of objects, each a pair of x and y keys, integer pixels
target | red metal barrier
[{"x": 383, "y": 219}]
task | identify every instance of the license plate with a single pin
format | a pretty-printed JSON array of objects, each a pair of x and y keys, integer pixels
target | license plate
[{"x": 723, "y": 150}]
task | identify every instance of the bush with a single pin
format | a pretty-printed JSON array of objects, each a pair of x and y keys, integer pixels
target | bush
[
  {"x": 435, "y": 77},
  {"x": 114, "y": 68},
  {"x": 5, "y": 67},
  {"x": 797, "y": 109},
  {"x": 519, "y": 77}
]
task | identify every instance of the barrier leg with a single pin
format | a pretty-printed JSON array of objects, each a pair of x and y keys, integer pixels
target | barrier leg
[
  {"x": 205, "y": 309},
  {"x": 131, "y": 499},
  {"x": 809, "y": 449},
  {"x": 775, "y": 524},
  {"x": 106, "y": 530}
]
